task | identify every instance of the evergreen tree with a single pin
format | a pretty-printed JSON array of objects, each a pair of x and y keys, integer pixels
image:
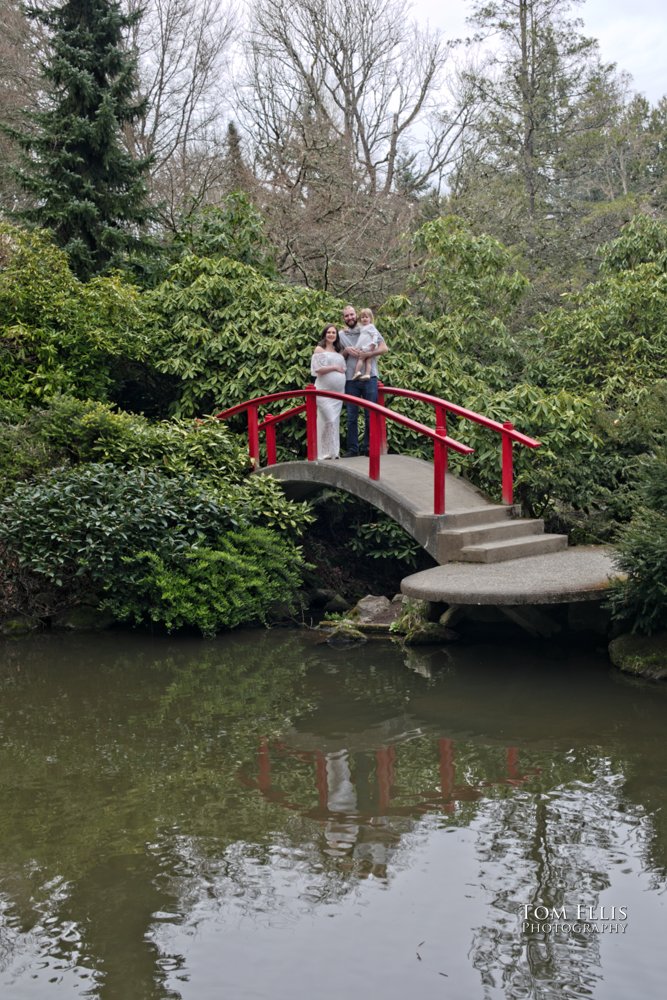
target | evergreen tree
[
  {"x": 87, "y": 188},
  {"x": 532, "y": 93},
  {"x": 237, "y": 174},
  {"x": 551, "y": 163}
]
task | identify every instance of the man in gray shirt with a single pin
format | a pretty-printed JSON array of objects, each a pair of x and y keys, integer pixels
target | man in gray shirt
[{"x": 363, "y": 389}]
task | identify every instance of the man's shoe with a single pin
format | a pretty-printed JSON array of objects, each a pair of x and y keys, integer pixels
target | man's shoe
[
  {"x": 350, "y": 454},
  {"x": 364, "y": 452}
]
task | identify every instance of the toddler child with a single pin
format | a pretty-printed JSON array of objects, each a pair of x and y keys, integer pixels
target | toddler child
[{"x": 368, "y": 338}]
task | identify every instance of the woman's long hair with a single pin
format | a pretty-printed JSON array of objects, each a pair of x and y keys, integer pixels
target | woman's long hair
[{"x": 322, "y": 342}]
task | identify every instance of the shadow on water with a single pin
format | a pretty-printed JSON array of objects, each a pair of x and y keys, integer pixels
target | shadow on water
[{"x": 153, "y": 790}]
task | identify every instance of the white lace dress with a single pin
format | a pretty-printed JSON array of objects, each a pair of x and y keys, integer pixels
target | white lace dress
[{"x": 328, "y": 410}]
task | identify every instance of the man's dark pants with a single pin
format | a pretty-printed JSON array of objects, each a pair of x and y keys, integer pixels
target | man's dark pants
[{"x": 362, "y": 390}]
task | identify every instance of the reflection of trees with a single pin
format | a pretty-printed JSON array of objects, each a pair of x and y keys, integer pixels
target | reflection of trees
[
  {"x": 180, "y": 770},
  {"x": 644, "y": 786},
  {"x": 541, "y": 851},
  {"x": 109, "y": 754},
  {"x": 114, "y": 751},
  {"x": 114, "y": 903}
]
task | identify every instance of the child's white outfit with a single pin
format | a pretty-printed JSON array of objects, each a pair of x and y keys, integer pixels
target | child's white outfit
[{"x": 369, "y": 337}]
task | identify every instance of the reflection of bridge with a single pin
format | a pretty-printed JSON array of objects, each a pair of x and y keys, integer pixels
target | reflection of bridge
[
  {"x": 362, "y": 795},
  {"x": 372, "y": 781},
  {"x": 488, "y": 553}
]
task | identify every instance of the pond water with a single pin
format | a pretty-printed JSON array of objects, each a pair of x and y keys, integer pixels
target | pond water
[{"x": 263, "y": 816}]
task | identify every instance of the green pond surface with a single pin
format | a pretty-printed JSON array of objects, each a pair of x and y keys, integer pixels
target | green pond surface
[{"x": 263, "y": 817}]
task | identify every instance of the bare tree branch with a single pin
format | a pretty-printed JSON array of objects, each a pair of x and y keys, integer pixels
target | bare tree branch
[
  {"x": 371, "y": 79},
  {"x": 182, "y": 49}
]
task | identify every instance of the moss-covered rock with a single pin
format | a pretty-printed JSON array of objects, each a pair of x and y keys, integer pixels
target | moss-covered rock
[
  {"x": 346, "y": 635},
  {"x": 641, "y": 655},
  {"x": 20, "y": 625},
  {"x": 428, "y": 634}
]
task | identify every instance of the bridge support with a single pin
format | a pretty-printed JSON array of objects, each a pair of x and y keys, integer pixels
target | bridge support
[
  {"x": 507, "y": 464},
  {"x": 532, "y": 620},
  {"x": 311, "y": 422}
]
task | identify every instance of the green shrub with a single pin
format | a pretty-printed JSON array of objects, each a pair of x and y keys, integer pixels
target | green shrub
[
  {"x": 86, "y": 431},
  {"x": 211, "y": 589},
  {"x": 58, "y": 335},
  {"x": 235, "y": 229},
  {"x": 471, "y": 275},
  {"x": 556, "y": 475},
  {"x": 641, "y": 599},
  {"x": 470, "y": 284},
  {"x": 229, "y": 333},
  {"x": 72, "y": 431},
  {"x": 96, "y": 532},
  {"x": 22, "y": 455},
  {"x": 382, "y": 538},
  {"x": 612, "y": 336},
  {"x": 75, "y": 528}
]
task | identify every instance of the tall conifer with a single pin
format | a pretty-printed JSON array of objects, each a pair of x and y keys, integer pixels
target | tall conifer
[{"x": 87, "y": 188}]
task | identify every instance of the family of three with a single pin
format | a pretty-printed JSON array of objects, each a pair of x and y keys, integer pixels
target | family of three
[{"x": 346, "y": 361}]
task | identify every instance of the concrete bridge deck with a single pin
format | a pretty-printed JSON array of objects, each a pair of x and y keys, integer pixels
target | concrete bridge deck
[
  {"x": 404, "y": 491},
  {"x": 404, "y": 480},
  {"x": 487, "y": 553}
]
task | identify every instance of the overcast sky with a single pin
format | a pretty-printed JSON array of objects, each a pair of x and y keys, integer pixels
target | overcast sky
[{"x": 631, "y": 33}]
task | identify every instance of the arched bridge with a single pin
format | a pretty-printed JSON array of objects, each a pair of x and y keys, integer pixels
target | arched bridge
[{"x": 456, "y": 524}]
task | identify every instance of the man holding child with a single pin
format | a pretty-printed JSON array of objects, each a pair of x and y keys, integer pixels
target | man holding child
[{"x": 361, "y": 387}]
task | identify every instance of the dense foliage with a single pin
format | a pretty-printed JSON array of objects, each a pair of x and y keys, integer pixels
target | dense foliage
[
  {"x": 641, "y": 599},
  {"x": 587, "y": 380},
  {"x": 72, "y": 431},
  {"x": 228, "y": 332},
  {"x": 146, "y": 545},
  {"x": 58, "y": 334},
  {"x": 232, "y": 582},
  {"x": 612, "y": 336},
  {"x": 156, "y": 521}
]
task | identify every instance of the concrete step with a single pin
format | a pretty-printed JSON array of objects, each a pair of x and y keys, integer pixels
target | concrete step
[
  {"x": 452, "y": 541},
  {"x": 497, "y": 531},
  {"x": 514, "y": 548},
  {"x": 479, "y": 515}
]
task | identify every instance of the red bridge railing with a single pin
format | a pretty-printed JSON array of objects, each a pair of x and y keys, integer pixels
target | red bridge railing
[
  {"x": 378, "y": 414},
  {"x": 508, "y": 434}
]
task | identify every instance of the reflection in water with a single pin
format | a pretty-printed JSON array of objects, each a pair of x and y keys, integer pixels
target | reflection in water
[
  {"x": 173, "y": 810},
  {"x": 340, "y": 830},
  {"x": 115, "y": 903},
  {"x": 359, "y": 794}
]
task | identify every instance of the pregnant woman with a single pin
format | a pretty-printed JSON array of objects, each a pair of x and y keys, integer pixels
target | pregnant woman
[{"x": 328, "y": 367}]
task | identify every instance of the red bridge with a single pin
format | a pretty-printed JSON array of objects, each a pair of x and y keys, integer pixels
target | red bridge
[
  {"x": 513, "y": 561},
  {"x": 379, "y": 414}
]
